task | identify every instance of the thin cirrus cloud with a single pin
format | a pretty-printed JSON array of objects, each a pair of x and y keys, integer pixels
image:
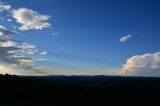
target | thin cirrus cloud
[
  {"x": 125, "y": 38},
  {"x": 30, "y": 19}
]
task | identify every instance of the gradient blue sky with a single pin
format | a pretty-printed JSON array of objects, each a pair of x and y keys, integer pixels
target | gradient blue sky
[{"x": 89, "y": 32}]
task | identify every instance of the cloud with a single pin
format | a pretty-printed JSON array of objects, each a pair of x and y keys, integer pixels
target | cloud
[
  {"x": 54, "y": 34},
  {"x": 7, "y": 43},
  {"x": 14, "y": 26},
  {"x": 9, "y": 20},
  {"x": 42, "y": 59},
  {"x": 142, "y": 65},
  {"x": 17, "y": 57},
  {"x": 4, "y": 7},
  {"x": 14, "y": 69},
  {"x": 125, "y": 38},
  {"x": 14, "y": 52},
  {"x": 6, "y": 32},
  {"x": 43, "y": 53},
  {"x": 27, "y": 46},
  {"x": 30, "y": 19}
]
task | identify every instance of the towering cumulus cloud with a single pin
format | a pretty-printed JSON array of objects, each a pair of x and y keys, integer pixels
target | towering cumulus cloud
[
  {"x": 142, "y": 65},
  {"x": 30, "y": 19}
]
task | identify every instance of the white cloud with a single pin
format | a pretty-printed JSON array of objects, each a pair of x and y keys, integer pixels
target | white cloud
[
  {"x": 4, "y": 7},
  {"x": 125, "y": 38},
  {"x": 14, "y": 69},
  {"x": 29, "y": 51},
  {"x": 54, "y": 34},
  {"x": 41, "y": 59},
  {"x": 27, "y": 46},
  {"x": 26, "y": 60},
  {"x": 14, "y": 58},
  {"x": 30, "y": 19},
  {"x": 142, "y": 65},
  {"x": 9, "y": 20},
  {"x": 7, "y": 43},
  {"x": 14, "y": 52},
  {"x": 6, "y": 32},
  {"x": 43, "y": 53},
  {"x": 14, "y": 26}
]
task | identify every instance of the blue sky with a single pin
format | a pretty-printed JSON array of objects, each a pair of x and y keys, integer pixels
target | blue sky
[{"x": 87, "y": 33}]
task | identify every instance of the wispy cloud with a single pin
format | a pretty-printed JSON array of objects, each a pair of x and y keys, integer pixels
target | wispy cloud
[
  {"x": 125, "y": 38},
  {"x": 43, "y": 53},
  {"x": 54, "y": 34},
  {"x": 4, "y": 7},
  {"x": 9, "y": 20},
  {"x": 13, "y": 52},
  {"x": 15, "y": 56},
  {"x": 5, "y": 32},
  {"x": 30, "y": 19}
]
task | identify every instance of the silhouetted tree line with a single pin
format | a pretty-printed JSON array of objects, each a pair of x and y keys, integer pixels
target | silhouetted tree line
[{"x": 78, "y": 91}]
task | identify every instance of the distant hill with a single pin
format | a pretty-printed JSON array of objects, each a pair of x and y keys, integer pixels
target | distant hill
[{"x": 78, "y": 91}]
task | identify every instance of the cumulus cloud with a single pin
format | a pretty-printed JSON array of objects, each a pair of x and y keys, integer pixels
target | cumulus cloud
[
  {"x": 125, "y": 38},
  {"x": 30, "y": 19},
  {"x": 4, "y": 7},
  {"x": 142, "y": 65}
]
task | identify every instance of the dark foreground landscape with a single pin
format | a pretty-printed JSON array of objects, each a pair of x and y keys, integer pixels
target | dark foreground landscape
[{"x": 79, "y": 91}]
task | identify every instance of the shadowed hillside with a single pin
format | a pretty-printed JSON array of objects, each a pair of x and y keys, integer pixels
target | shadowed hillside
[{"x": 78, "y": 91}]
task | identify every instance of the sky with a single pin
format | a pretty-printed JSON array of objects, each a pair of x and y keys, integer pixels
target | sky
[{"x": 80, "y": 37}]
